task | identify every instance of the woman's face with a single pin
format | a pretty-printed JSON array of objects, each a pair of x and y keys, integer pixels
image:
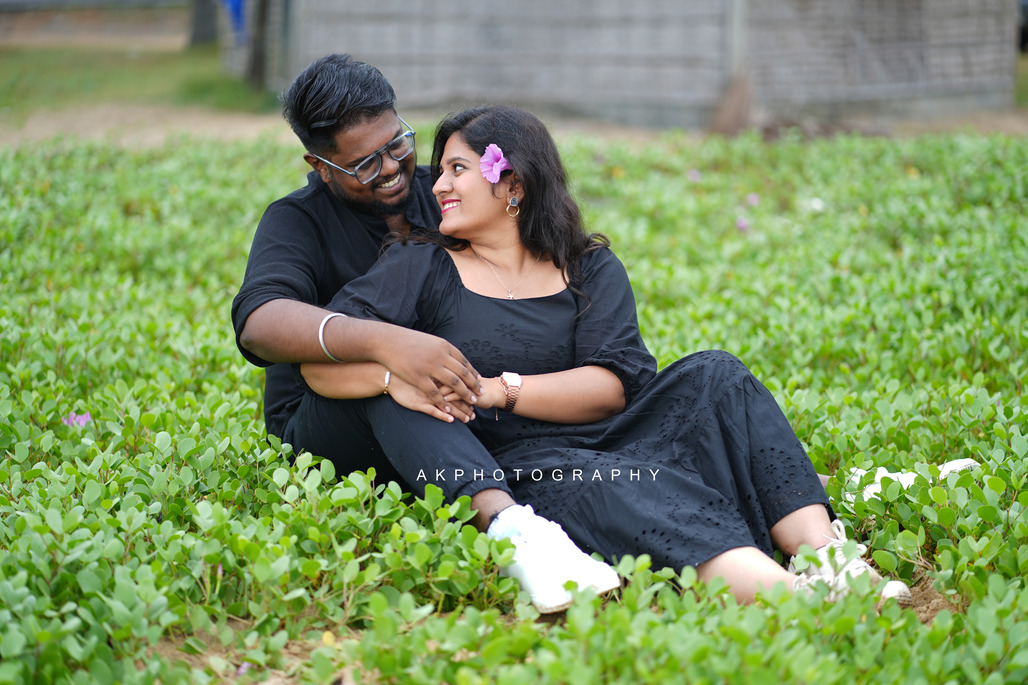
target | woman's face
[{"x": 467, "y": 199}]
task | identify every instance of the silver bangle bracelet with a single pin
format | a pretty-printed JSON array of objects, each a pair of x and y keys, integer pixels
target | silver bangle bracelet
[{"x": 321, "y": 336}]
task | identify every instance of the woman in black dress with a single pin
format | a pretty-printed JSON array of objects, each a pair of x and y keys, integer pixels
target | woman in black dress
[{"x": 695, "y": 465}]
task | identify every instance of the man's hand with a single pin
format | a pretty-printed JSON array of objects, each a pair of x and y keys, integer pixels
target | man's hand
[
  {"x": 286, "y": 331},
  {"x": 433, "y": 366}
]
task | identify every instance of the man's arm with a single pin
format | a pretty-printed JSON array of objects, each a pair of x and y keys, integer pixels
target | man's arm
[{"x": 286, "y": 331}]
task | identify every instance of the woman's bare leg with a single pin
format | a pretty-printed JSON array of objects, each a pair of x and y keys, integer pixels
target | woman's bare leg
[
  {"x": 486, "y": 503},
  {"x": 808, "y": 525},
  {"x": 747, "y": 570}
]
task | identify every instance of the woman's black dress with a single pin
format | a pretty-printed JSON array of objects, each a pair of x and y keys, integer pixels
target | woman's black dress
[{"x": 701, "y": 461}]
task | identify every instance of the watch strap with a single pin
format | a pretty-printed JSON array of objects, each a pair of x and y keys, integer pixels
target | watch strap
[
  {"x": 512, "y": 392},
  {"x": 512, "y": 396}
]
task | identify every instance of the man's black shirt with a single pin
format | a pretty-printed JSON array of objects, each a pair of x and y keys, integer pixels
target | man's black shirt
[{"x": 308, "y": 245}]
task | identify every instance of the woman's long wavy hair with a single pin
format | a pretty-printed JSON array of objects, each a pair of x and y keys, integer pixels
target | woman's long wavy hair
[{"x": 549, "y": 221}]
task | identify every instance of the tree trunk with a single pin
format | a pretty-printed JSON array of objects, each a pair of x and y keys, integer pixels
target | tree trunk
[
  {"x": 205, "y": 23},
  {"x": 256, "y": 72}
]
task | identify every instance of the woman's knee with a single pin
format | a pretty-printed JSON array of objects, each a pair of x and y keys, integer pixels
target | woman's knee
[
  {"x": 723, "y": 361},
  {"x": 713, "y": 367}
]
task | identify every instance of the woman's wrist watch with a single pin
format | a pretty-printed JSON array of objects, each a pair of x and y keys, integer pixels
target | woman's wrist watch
[{"x": 511, "y": 383}]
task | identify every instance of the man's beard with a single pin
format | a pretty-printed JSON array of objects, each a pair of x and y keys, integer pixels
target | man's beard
[{"x": 375, "y": 207}]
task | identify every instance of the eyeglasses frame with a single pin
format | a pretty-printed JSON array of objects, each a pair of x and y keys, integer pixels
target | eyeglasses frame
[{"x": 409, "y": 133}]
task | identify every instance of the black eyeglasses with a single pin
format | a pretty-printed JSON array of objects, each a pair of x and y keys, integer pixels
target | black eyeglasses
[{"x": 399, "y": 148}]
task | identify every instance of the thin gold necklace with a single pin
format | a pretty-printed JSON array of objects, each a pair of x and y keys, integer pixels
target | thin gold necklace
[{"x": 510, "y": 291}]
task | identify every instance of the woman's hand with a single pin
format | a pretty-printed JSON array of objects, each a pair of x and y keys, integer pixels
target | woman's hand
[
  {"x": 428, "y": 362},
  {"x": 411, "y": 397},
  {"x": 355, "y": 380},
  {"x": 491, "y": 397},
  {"x": 358, "y": 380}
]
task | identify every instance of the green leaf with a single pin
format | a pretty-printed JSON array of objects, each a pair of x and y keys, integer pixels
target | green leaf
[
  {"x": 113, "y": 550},
  {"x": 445, "y": 569},
  {"x": 423, "y": 554},
  {"x": 350, "y": 571},
  {"x": 995, "y": 484},
  {"x": 310, "y": 568},
  {"x": 1019, "y": 445},
  {"x": 12, "y": 643},
  {"x": 261, "y": 570},
  {"x": 89, "y": 581},
  {"x": 885, "y": 560},
  {"x": 162, "y": 441},
  {"x": 906, "y": 542},
  {"x": 988, "y": 513},
  {"x": 91, "y": 492},
  {"x": 192, "y": 645}
]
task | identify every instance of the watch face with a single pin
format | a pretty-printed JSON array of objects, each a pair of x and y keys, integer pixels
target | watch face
[{"x": 511, "y": 378}]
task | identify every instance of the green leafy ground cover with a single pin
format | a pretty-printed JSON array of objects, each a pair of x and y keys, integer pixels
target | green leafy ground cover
[{"x": 149, "y": 531}]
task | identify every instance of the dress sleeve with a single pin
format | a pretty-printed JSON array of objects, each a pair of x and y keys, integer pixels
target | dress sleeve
[
  {"x": 393, "y": 289},
  {"x": 607, "y": 330}
]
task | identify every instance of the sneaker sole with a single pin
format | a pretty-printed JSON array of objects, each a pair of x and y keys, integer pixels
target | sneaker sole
[
  {"x": 555, "y": 609},
  {"x": 602, "y": 590}
]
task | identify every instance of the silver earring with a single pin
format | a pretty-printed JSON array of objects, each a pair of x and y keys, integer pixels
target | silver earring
[{"x": 517, "y": 209}]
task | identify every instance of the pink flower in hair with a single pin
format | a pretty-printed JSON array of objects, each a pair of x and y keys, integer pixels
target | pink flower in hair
[{"x": 493, "y": 163}]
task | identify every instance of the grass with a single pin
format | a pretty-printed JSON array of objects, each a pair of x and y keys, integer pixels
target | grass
[
  {"x": 149, "y": 530},
  {"x": 39, "y": 79}
]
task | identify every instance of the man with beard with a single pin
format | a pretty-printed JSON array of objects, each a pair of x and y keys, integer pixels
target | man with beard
[{"x": 365, "y": 185}]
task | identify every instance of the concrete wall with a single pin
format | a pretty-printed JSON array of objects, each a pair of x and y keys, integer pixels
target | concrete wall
[
  {"x": 649, "y": 61},
  {"x": 899, "y": 57},
  {"x": 665, "y": 62}
]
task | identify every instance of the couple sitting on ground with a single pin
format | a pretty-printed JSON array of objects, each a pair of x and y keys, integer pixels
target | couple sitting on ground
[{"x": 493, "y": 349}]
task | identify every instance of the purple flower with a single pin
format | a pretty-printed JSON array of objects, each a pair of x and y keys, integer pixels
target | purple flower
[
  {"x": 694, "y": 175},
  {"x": 73, "y": 419},
  {"x": 243, "y": 668},
  {"x": 493, "y": 163},
  {"x": 742, "y": 224},
  {"x": 753, "y": 199}
]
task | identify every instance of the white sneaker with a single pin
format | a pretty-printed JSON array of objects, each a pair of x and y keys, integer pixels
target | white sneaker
[
  {"x": 545, "y": 558},
  {"x": 904, "y": 478},
  {"x": 895, "y": 590},
  {"x": 955, "y": 466},
  {"x": 834, "y": 568}
]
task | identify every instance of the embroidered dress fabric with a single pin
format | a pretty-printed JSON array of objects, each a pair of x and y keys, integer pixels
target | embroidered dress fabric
[{"x": 701, "y": 461}]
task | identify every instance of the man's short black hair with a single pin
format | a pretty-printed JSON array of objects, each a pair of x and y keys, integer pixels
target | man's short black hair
[{"x": 332, "y": 94}]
